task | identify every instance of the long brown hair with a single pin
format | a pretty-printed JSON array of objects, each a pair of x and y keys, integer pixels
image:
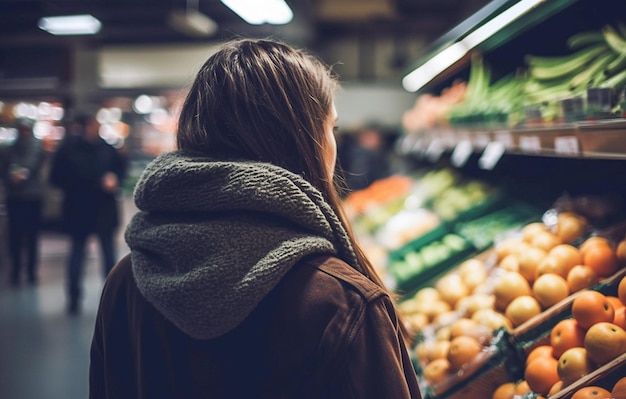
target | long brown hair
[{"x": 267, "y": 101}]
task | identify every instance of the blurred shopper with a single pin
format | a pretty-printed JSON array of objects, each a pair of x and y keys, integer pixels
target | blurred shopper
[
  {"x": 241, "y": 255},
  {"x": 89, "y": 172},
  {"x": 364, "y": 159},
  {"x": 24, "y": 195}
]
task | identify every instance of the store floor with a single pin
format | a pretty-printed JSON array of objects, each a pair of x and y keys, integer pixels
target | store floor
[{"x": 44, "y": 352}]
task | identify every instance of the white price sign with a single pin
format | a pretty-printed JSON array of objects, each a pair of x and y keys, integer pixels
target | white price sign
[
  {"x": 530, "y": 143},
  {"x": 461, "y": 153},
  {"x": 434, "y": 151},
  {"x": 566, "y": 145},
  {"x": 492, "y": 154}
]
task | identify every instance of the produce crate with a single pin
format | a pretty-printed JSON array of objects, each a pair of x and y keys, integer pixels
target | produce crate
[
  {"x": 605, "y": 377},
  {"x": 493, "y": 367},
  {"x": 482, "y": 231}
]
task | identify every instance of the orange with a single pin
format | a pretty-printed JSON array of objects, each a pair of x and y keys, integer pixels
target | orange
[
  {"x": 508, "y": 287},
  {"x": 509, "y": 263},
  {"x": 621, "y": 250},
  {"x": 615, "y": 302},
  {"x": 541, "y": 374},
  {"x": 621, "y": 290},
  {"x": 522, "y": 388},
  {"x": 522, "y": 309},
  {"x": 545, "y": 240},
  {"x": 570, "y": 226},
  {"x": 602, "y": 259},
  {"x": 463, "y": 350},
  {"x": 573, "y": 364},
  {"x": 532, "y": 229},
  {"x": 504, "y": 391},
  {"x": 619, "y": 389},
  {"x": 566, "y": 334},
  {"x": 620, "y": 317},
  {"x": 591, "y": 307},
  {"x": 460, "y": 326},
  {"x": 539, "y": 351},
  {"x": 555, "y": 388},
  {"x": 591, "y": 392},
  {"x": 569, "y": 254},
  {"x": 528, "y": 261},
  {"x": 593, "y": 242},
  {"x": 438, "y": 350},
  {"x": 581, "y": 277},
  {"x": 550, "y": 289},
  {"x": 552, "y": 264},
  {"x": 436, "y": 371},
  {"x": 604, "y": 342}
]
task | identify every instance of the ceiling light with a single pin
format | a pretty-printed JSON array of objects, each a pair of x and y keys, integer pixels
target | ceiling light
[
  {"x": 192, "y": 23},
  {"x": 71, "y": 25},
  {"x": 257, "y": 12}
]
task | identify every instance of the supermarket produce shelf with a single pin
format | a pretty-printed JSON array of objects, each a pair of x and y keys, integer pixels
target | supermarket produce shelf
[{"x": 597, "y": 140}]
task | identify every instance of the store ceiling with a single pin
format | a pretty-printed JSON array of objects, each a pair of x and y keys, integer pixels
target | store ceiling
[{"x": 316, "y": 21}]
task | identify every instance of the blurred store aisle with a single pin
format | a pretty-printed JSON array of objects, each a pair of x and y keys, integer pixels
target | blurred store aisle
[{"x": 44, "y": 353}]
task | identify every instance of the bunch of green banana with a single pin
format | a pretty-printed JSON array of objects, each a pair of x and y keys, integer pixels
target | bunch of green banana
[{"x": 598, "y": 59}]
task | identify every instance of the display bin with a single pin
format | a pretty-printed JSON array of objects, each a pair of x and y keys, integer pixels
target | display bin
[
  {"x": 417, "y": 277},
  {"x": 482, "y": 231},
  {"x": 605, "y": 377},
  {"x": 498, "y": 364}
]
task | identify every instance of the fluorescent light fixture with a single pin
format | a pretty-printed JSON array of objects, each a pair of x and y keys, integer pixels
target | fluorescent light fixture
[
  {"x": 257, "y": 12},
  {"x": 192, "y": 22},
  {"x": 434, "y": 66},
  {"x": 71, "y": 25},
  {"x": 419, "y": 77},
  {"x": 500, "y": 21}
]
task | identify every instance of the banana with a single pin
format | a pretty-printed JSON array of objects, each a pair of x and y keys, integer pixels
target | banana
[
  {"x": 545, "y": 68},
  {"x": 616, "y": 42},
  {"x": 587, "y": 75},
  {"x": 579, "y": 40},
  {"x": 540, "y": 92},
  {"x": 616, "y": 81},
  {"x": 617, "y": 65}
]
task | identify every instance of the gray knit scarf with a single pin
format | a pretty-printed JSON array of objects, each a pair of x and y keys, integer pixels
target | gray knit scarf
[{"x": 213, "y": 238}]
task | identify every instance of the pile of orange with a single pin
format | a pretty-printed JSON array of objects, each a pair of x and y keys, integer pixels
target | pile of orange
[
  {"x": 543, "y": 269},
  {"x": 594, "y": 336}
]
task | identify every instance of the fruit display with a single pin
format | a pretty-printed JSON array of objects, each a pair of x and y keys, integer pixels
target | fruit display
[
  {"x": 579, "y": 351},
  {"x": 526, "y": 278}
]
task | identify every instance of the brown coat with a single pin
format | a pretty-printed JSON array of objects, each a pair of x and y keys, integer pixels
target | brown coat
[{"x": 325, "y": 331}]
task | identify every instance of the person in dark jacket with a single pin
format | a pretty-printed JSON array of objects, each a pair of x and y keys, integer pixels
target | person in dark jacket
[
  {"x": 244, "y": 279},
  {"x": 24, "y": 195},
  {"x": 89, "y": 171}
]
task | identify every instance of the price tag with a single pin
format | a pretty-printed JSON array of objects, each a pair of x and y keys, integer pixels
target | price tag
[
  {"x": 530, "y": 144},
  {"x": 505, "y": 138},
  {"x": 461, "y": 153},
  {"x": 492, "y": 154},
  {"x": 566, "y": 145},
  {"x": 434, "y": 151}
]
